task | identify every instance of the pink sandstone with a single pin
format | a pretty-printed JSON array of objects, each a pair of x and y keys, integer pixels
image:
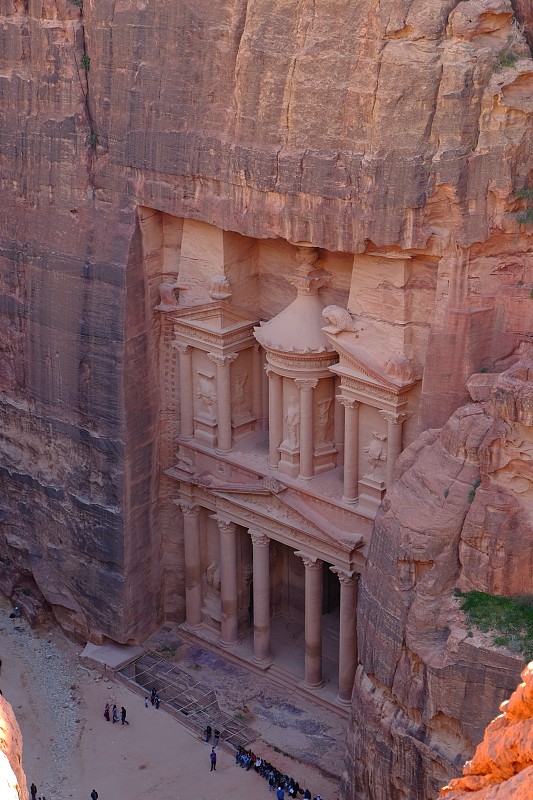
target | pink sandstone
[{"x": 502, "y": 766}]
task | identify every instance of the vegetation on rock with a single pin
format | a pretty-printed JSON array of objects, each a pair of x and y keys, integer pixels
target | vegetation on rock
[{"x": 509, "y": 619}]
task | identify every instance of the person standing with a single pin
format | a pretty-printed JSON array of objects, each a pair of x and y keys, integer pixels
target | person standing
[
  {"x": 217, "y": 737},
  {"x": 213, "y": 759},
  {"x": 33, "y": 792},
  {"x": 157, "y": 701},
  {"x": 94, "y": 795},
  {"x": 123, "y": 716},
  {"x": 280, "y": 794},
  {"x": 207, "y": 733},
  {"x": 115, "y": 714},
  {"x": 107, "y": 715}
]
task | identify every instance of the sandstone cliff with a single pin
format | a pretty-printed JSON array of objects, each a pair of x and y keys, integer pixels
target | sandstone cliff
[
  {"x": 502, "y": 766},
  {"x": 12, "y": 779},
  {"x": 459, "y": 515},
  {"x": 352, "y": 125}
]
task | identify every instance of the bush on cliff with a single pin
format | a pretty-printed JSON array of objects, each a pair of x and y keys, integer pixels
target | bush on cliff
[{"x": 510, "y": 619}]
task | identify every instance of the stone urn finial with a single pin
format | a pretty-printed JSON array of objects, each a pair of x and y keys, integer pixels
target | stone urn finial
[{"x": 219, "y": 288}]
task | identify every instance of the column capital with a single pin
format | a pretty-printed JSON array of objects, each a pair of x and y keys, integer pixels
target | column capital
[
  {"x": 183, "y": 349},
  {"x": 224, "y": 525},
  {"x": 345, "y": 576},
  {"x": 394, "y": 417},
  {"x": 259, "y": 539},
  {"x": 221, "y": 360},
  {"x": 311, "y": 562},
  {"x": 306, "y": 384},
  {"x": 271, "y": 373},
  {"x": 188, "y": 509},
  {"x": 347, "y": 402}
]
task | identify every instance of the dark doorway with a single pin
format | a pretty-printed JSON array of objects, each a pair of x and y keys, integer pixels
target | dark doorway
[{"x": 331, "y": 590}]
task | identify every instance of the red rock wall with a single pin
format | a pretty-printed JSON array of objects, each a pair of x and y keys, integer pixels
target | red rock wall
[
  {"x": 426, "y": 687},
  {"x": 352, "y": 125}
]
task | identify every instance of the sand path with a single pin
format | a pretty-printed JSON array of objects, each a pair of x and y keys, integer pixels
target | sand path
[{"x": 70, "y": 749}]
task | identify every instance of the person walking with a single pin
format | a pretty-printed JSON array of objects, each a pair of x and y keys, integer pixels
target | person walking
[
  {"x": 94, "y": 795},
  {"x": 146, "y": 702},
  {"x": 217, "y": 737},
  {"x": 115, "y": 714},
  {"x": 33, "y": 792},
  {"x": 107, "y": 715},
  {"x": 213, "y": 759},
  {"x": 280, "y": 794},
  {"x": 123, "y": 716}
]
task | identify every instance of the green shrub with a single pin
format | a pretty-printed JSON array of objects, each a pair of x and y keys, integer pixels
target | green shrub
[
  {"x": 509, "y": 618},
  {"x": 525, "y": 217},
  {"x": 506, "y": 58}
]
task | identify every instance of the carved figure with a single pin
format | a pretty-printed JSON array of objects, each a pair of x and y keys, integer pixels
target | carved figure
[
  {"x": 239, "y": 395},
  {"x": 211, "y": 604},
  {"x": 322, "y": 419},
  {"x": 167, "y": 294},
  {"x": 399, "y": 366},
  {"x": 338, "y": 320},
  {"x": 219, "y": 287},
  {"x": 376, "y": 450},
  {"x": 206, "y": 393},
  {"x": 292, "y": 420}
]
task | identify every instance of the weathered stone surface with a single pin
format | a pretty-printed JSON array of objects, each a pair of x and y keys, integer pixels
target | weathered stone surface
[
  {"x": 267, "y": 120},
  {"x": 502, "y": 766},
  {"x": 12, "y": 778},
  {"x": 459, "y": 515}
]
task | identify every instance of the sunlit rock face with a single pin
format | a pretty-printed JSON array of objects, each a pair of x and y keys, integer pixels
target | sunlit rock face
[
  {"x": 12, "y": 778},
  {"x": 459, "y": 516},
  {"x": 502, "y": 766}
]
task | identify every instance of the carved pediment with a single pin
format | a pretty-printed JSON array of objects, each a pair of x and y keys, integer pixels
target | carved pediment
[{"x": 394, "y": 372}]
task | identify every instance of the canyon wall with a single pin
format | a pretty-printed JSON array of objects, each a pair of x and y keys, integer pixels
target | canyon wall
[
  {"x": 458, "y": 516},
  {"x": 397, "y": 130}
]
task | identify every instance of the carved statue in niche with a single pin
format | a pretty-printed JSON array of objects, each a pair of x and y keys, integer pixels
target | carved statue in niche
[
  {"x": 400, "y": 367},
  {"x": 206, "y": 393},
  {"x": 322, "y": 417},
  {"x": 376, "y": 451},
  {"x": 211, "y": 608},
  {"x": 238, "y": 400},
  {"x": 292, "y": 421}
]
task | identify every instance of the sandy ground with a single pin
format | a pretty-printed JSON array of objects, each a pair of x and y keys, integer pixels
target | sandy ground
[{"x": 69, "y": 748}]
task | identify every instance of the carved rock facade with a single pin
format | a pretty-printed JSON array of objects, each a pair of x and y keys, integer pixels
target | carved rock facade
[{"x": 152, "y": 201}]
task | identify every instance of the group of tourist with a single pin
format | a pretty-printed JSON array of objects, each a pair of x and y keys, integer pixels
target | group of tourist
[
  {"x": 277, "y": 782},
  {"x": 33, "y": 794},
  {"x": 112, "y": 714}
]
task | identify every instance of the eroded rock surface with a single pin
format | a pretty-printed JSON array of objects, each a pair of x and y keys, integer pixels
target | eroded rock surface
[
  {"x": 502, "y": 766},
  {"x": 12, "y": 778},
  {"x": 459, "y": 515}
]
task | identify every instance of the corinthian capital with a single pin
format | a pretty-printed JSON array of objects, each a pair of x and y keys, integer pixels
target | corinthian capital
[
  {"x": 222, "y": 361},
  {"x": 304, "y": 385},
  {"x": 395, "y": 418},
  {"x": 188, "y": 509},
  {"x": 224, "y": 525},
  {"x": 259, "y": 539},
  {"x": 311, "y": 562}
]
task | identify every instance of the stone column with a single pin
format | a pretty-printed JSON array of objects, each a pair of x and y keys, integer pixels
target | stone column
[
  {"x": 347, "y": 633},
  {"x": 193, "y": 564},
  {"x": 351, "y": 448},
  {"x": 394, "y": 440},
  {"x": 229, "y": 622},
  {"x": 275, "y": 416},
  {"x": 306, "y": 388},
  {"x": 313, "y": 621},
  {"x": 186, "y": 391},
  {"x": 223, "y": 364},
  {"x": 261, "y": 572}
]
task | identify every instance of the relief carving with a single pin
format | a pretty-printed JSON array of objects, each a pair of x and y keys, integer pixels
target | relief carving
[
  {"x": 322, "y": 421},
  {"x": 292, "y": 422},
  {"x": 338, "y": 320},
  {"x": 206, "y": 393},
  {"x": 239, "y": 400},
  {"x": 376, "y": 451}
]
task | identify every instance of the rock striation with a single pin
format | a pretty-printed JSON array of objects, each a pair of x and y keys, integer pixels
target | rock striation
[
  {"x": 502, "y": 766},
  {"x": 142, "y": 143},
  {"x": 458, "y": 516}
]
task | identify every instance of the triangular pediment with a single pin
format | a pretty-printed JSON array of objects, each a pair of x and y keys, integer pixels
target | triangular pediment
[
  {"x": 219, "y": 317},
  {"x": 356, "y": 361}
]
